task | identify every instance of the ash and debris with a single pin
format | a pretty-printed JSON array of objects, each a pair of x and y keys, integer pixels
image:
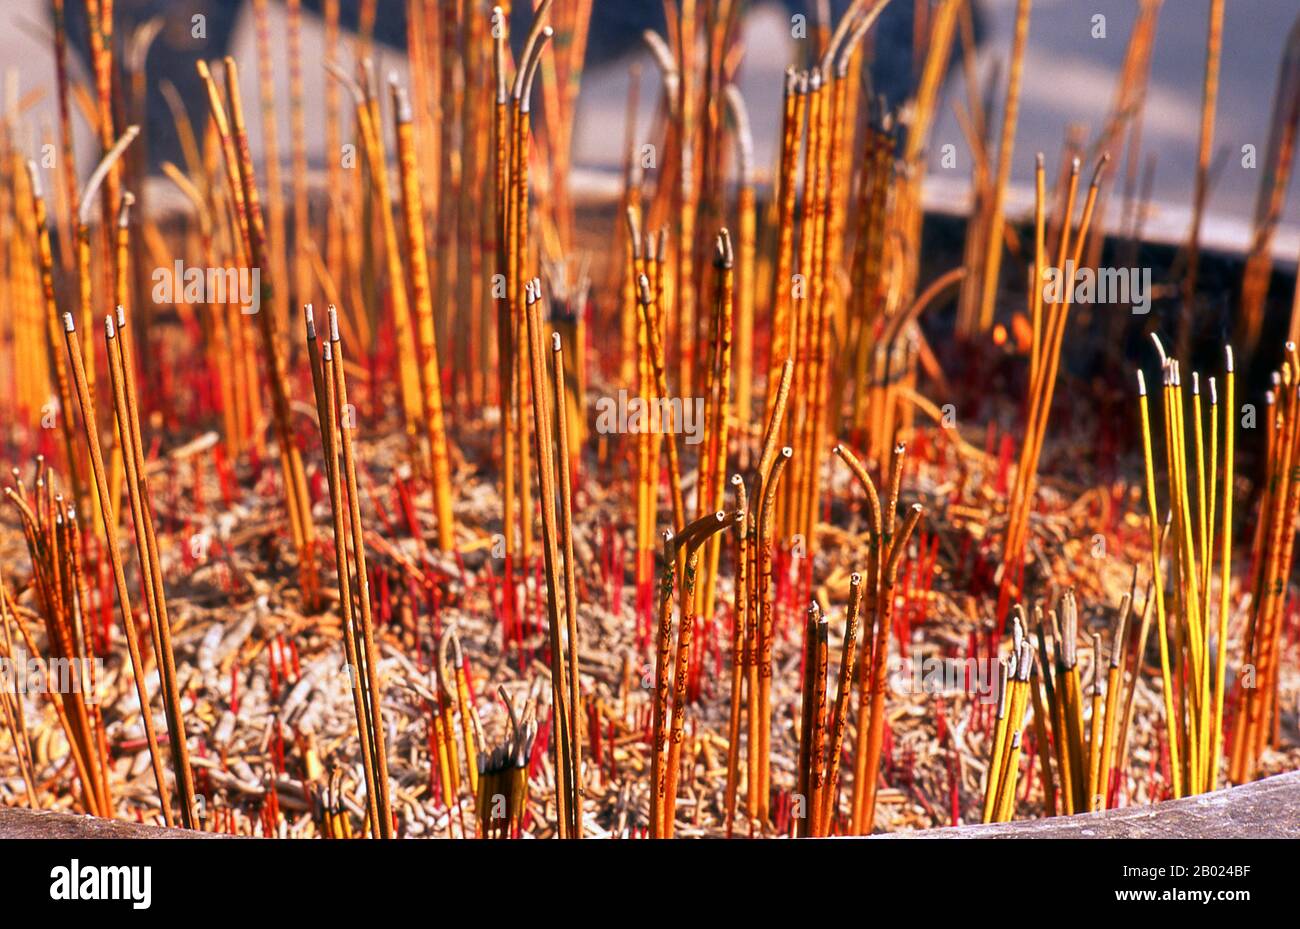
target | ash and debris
[{"x": 264, "y": 680}]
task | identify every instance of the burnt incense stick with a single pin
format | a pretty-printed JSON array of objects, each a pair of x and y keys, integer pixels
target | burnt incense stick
[
  {"x": 848, "y": 674},
  {"x": 693, "y": 541}
]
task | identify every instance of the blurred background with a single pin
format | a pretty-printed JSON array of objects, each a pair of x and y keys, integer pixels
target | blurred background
[{"x": 1070, "y": 78}]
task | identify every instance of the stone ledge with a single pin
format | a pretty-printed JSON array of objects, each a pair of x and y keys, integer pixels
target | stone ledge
[
  {"x": 1264, "y": 809},
  {"x": 43, "y": 824}
]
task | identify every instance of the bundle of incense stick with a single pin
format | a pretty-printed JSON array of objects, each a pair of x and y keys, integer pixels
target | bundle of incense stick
[
  {"x": 502, "y": 795},
  {"x": 73, "y": 461},
  {"x": 108, "y": 523},
  {"x": 1193, "y": 639},
  {"x": 121, "y": 372},
  {"x": 336, "y": 824},
  {"x": 1004, "y": 763},
  {"x": 551, "y": 430},
  {"x": 337, "y": 421},
  {"x": 250, "y": 231},
  {"x": 453, "y": 701},
  {"x": 653, "y": 383},
  {"x": 1078, "y": 741},
  {"x": 669, "y": 723},
  {"x": 1257, "y": 722},
  {"x": 1048, "y": 334},
  {"x": 16, "y": 724},
  {"x": 762, "y": 631},
  {"x": 815, "y": 302},
  {"x": 409, "y": 369},
  {"x": 868, "y": 303},
  {"x": 512, "y": 130},
  {"x": 887, "y": 545},
  {"x": 713, "y": 462},
  {"x": 54, "y": 543},
  {"x": 822, "y": 730}
]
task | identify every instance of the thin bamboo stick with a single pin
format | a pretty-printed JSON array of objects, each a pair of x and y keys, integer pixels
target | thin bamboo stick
[
  {"x": 321, "y": 357},
  {"x": 739, "y": 637},
  {"x": 430, "y": 370},
  {"x": 1006, "y": 144},
  {"x": 570, "y": 581},
  {"x": 566, "y": 788},
  {"x": 109, "y": 524},
  {"x": 1225, "y": 576},
  {"x": 346, "y": 419},
  {"x": 707, "y": 527},
  {"x": 121, "y": 372}
]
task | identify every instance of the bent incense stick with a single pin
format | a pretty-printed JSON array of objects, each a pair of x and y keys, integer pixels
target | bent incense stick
[{"x": 413, "y": 213}]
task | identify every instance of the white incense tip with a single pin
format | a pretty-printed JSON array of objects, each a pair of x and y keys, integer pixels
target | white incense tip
[
  {"x": 34, "y": 175},
  {"x": 1160, "y": 348}
]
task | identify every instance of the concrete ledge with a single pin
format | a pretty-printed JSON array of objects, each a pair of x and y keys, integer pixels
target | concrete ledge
[
  {"x": 1265, "y": 809},
  {"x": 40, "y": 824}
]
